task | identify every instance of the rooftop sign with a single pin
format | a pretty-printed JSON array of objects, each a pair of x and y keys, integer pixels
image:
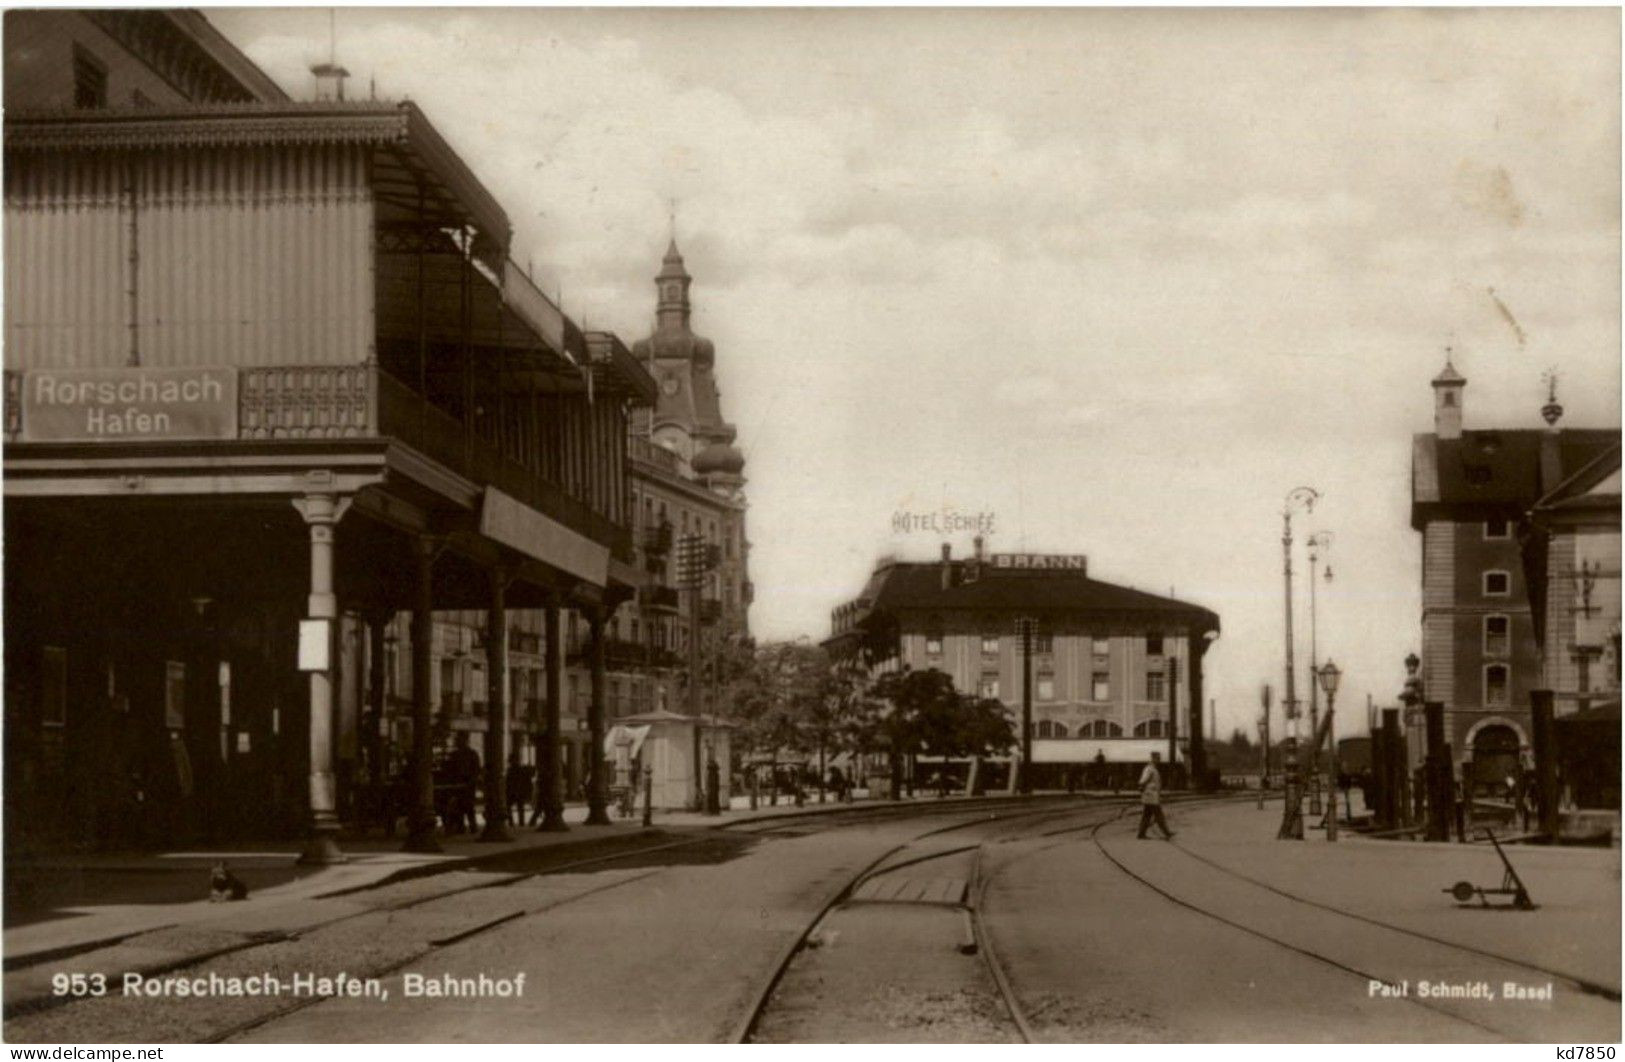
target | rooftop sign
[{"x": 1076, "y": 562}]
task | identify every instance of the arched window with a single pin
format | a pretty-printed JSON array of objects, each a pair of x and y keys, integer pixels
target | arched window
[
  {"x": 1152, "y": 728},
  {"x": 1049, "y": 728},
  {"x": 1100, "y": 728}
]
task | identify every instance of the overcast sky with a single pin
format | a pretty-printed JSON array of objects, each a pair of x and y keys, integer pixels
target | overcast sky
[{"x": 1121, "y": 279}]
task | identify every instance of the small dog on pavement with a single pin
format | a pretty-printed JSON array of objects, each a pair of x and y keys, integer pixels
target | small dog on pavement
[{"x": 224, "y": 885}]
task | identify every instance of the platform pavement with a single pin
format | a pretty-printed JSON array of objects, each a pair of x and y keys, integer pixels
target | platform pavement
[
  {"x": 1575, "y": 928},
  {"x": 178, "y": 930}
]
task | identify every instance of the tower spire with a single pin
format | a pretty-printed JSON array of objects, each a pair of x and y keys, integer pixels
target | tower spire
[{"x": 1552, "y": 411}]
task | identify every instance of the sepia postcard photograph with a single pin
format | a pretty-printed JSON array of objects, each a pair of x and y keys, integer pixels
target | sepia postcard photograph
[{"x": 873, "y": 525}]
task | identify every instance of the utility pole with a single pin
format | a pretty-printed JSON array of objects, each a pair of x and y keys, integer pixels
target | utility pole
[
  {"x": 690, "y": 552},
  {"x": 1264, "y": 781}
]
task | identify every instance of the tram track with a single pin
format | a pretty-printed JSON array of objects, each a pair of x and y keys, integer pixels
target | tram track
[
  {"x": 28, "y": 1003},
  {"x": 708, "y": 837},
  {"x": 1582, "y": 983},
  {"x": 1253, "y": 931},
  {"x": 983, "y": 943}
]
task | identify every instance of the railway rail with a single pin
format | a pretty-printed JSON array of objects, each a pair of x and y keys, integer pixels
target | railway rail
[{"x": 1027, "y": 824}]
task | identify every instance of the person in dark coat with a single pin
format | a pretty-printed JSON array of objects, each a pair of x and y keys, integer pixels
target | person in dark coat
[
  {"x": 463, "y": 774},
  {"x": 518, "y": 786}
]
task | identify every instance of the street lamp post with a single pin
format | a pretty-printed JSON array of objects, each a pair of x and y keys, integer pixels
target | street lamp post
[
  {"x": 1264, "y": 730},
  {"x": 1292, "y": 812},
  {"x": 1329, "y": 676},
  {"x": 1316, "y": 542}
]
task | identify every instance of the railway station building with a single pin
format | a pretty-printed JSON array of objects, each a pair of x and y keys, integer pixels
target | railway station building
[
  {"x": 1116, "y": 672},
  {"x": 268, "y": 365}
]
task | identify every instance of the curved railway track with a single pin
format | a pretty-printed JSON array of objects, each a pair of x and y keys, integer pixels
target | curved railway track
[
  {"x": 899, "y": 858},
  {"x": 998, "y": 810},
  {"x": 1582, "y": 983}
]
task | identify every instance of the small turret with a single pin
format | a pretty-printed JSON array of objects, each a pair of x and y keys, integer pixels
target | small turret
[{"x": 1447, "y": 398}]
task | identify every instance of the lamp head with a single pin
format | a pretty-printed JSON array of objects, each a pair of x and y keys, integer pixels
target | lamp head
[
  {"x": 1330, "y": 675},
  {"x": 1412, "y": 662}
]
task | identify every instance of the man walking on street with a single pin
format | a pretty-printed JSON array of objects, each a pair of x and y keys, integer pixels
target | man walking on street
[{"x": 1151, "y": 799}]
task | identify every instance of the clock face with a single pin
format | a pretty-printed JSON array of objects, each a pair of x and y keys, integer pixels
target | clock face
[{"x": 669, "y": 385}]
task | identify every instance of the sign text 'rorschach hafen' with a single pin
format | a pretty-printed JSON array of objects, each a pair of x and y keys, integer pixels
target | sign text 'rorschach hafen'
[{"x": 128, "y": 405}]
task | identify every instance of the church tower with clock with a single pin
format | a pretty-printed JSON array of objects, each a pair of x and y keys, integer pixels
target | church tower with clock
[{"x": 687, "y": 420}]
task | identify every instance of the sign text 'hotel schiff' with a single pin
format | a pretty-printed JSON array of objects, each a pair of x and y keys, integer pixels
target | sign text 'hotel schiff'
[{"x": 129, "y": 405}]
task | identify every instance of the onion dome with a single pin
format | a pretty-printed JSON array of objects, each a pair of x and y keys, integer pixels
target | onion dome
[{"x": 719, "y": 457}]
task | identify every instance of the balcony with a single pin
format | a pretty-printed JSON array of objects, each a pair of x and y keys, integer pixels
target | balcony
[
  {"x": 623, "y": 655},
  {"x": 657, "y": 541},
  {"x": 658, "y": 598},
  {"x": 641, "y": 448}
]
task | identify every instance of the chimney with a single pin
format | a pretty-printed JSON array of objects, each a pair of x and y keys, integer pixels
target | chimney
[
  {"x": 329, "y": 80},
  {"x": 973, "y": 566},
  {"x": 947, "y": 566},
  {"x": 1447, "y": 397}
]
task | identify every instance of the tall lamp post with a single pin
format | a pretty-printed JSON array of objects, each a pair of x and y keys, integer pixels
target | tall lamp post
[
  {"x": 1329, "y": 676},
  {"x": 1292, "y": 813},
  {"x": 1316, "y": 542}
]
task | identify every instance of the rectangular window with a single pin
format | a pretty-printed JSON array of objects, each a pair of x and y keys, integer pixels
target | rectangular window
[
  {"x": 1100, "y": 687},
  {"x": 1497, "y": 529},
  {"x": 1497, "y": 636},
  {"x": 1101, "y": 645},
  {"x": 1045, "y": 689},
  {"x": 1496, "y": 686},
  {"x": 89, "y": 80},
  {"x": 1497, "y": 584},
  {"x": 990, "y": 644},
  {"x": 933, "y": 645},
  {"x": 989, "y": 686},
  {"x": 1156, "y": 688},
  {"x": 1043, "y": 643},
  {"x": 1153, "y": 645}
]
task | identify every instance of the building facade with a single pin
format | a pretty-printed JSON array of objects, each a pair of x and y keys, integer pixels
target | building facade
[
  {"x": 271, "y": 382},
  {"x": 1113, "y": 669},
  {"x": 685, "y": 477},
  {"x": 1472, "y": 492}
]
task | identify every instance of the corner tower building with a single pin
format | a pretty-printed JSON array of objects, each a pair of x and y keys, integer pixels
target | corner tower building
[
  {"x": 687, "y": 478},
  {"x": 688, "y": 418}
]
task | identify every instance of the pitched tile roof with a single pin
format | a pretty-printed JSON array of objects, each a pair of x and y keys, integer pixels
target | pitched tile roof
[
  {"x": 918, "y": 587},
  {"x": 1495, "y": 467}
]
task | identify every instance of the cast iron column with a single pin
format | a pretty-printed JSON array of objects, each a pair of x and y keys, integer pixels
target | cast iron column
[
  {"x": 496, "y": 711},
  {"x": 550, "y": 792},
  {"x": 321, "y": 512},
  {"x": 597, "y": 795},
  {"x": 377, "y": 627},
  {"x": 420, "y": 818}
]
